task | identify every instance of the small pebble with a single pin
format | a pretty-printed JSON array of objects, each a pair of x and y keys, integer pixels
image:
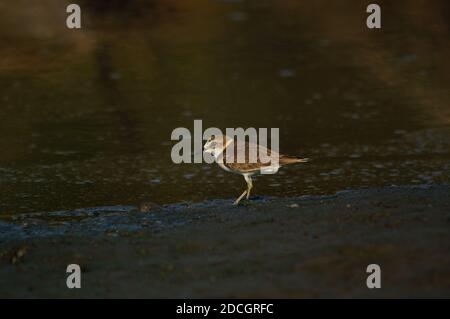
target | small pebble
[{"x": 147, "y": 206}]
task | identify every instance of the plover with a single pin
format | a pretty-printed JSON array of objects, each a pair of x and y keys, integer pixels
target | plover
[{"x": 218, "y": 146}]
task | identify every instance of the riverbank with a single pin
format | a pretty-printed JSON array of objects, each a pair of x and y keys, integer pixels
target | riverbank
[{"x": 311, "y": 246}]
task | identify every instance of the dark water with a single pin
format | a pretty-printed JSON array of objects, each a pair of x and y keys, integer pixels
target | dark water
[{"x": 86, "y": 115}]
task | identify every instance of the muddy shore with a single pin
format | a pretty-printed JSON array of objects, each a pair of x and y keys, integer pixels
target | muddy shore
[{"x": 311, "y": 246}]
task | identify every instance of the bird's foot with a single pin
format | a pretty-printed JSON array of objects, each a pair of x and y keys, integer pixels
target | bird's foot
[{"x": 246, "y": 202}]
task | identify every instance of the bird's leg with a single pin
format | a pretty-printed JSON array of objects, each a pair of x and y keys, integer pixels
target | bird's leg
[
  {"x": 239, "y": 198},
  {"x": 249, "y": 181}
]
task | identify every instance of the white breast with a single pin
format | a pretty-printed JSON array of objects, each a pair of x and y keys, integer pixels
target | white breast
[{"x": 222, "y": 166}]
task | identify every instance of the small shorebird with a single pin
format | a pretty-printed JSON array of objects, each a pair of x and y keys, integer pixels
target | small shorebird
[{"x": 218, "y": 146}]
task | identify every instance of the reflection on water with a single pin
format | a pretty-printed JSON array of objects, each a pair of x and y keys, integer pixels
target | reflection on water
[{"x": 86, "y": 115}]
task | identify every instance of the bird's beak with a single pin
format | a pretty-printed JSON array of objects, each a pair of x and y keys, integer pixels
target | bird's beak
[{"x": 207, "y": 151}]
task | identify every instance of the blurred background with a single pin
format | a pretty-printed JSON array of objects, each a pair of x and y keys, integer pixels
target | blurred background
[{"x": 86, "y": 115}]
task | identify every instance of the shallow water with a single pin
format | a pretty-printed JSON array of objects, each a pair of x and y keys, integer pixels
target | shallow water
[{"x": 86, "y": 115}]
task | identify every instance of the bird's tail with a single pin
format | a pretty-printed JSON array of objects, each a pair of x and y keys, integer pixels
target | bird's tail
[{"x": 292, "y": 159}]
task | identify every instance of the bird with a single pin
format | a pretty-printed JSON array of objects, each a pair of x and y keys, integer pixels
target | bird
[{"x": 221, "y": 147}]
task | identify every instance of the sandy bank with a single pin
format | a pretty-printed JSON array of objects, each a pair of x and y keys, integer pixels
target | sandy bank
[{"x": 292, "y": 247}]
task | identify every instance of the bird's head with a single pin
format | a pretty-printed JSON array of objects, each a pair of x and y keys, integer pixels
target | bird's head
[{"x": 215, "y": 145}]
